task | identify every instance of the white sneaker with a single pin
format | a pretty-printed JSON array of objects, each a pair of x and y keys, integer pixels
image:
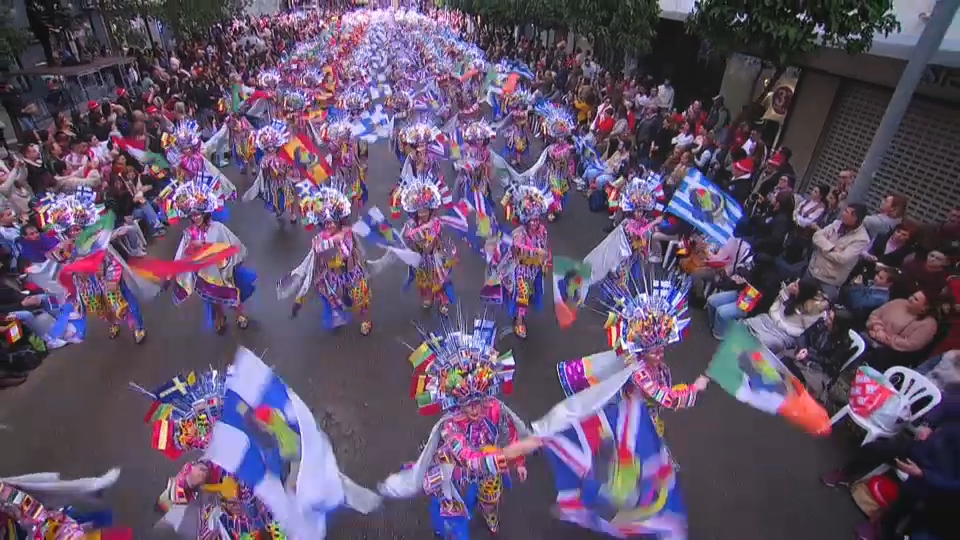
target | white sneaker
[{"x": 54, "y": 343}]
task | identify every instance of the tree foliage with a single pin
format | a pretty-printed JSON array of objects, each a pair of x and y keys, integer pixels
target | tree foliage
[
  {"x": 780, "y": 30},
  {"x": 626, "y": 25},
  {"x": 183, "y": 18},
  {"x": 13, "y": 39}
]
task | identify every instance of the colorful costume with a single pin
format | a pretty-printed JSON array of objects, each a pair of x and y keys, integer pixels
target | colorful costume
[
  {"x": 334, "y": 267},
  {"x": 400, "y": 104},
  {"x": 241, "y": 143},
  {"x": 102, "y": 284},
  {"x": 461, "y": 374},
  {"x": 527, "y": 256},
  {"x": 640, "y": 200},
  {"x": 347, "y": 155},
  {"x": 182, "y": 419},
  {"x": 225, "y": 284},
  {"x": 24, "y": 517},
  {"x": 556, "y": 165},
  {"x": 516, "y": 134},
  {"x": 475, "y": 168},
  {"x": 640, "y": 325},
  {"x": 185, "y": 151},
  {"x": 468, "y": 98},
  {"x": 274, "y": 184},
  {"x": 420, "y": 139},
  {"x": 421, "y": 197}
]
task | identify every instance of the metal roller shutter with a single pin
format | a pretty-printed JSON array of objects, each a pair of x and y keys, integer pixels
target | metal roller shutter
[{"x": 923, "y": 163}]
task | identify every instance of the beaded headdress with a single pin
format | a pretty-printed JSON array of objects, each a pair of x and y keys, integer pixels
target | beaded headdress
[
  {"x": 322, "y": 204},
  {"x": 558, "y": 121},
  {"x": 651, "y": 318},
  {"x": 184, "y": 411},
  {"x": 200, "y": 195},
  {"x": 271, "y": 136},
  {"x": 419, "y": 192},
  {"x": 519, "y": 99},
  {"x": 525, "y": 202},
  {"x": 400, "y": 101},
  {"x": 295, "y": 100},
  {"x": 419, "y": 133},
  {"x": 312, "y": 78},
  {"x": 459, "y": 365},
  {"x": 642, "y": 194},
  {"x": 185, "y": 136},
  {"x": 478, "y": 132},
  {"x": 39, "y": 521},
  {"x": 63, "y": 211},
  {"x": 269, "y": 78},
  {"x": 354, "y": 100}
]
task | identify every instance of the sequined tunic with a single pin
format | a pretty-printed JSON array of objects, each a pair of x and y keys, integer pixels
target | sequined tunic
[
  {"x": 278, "y": 190},
  {"x": 438, "y": 255},
  {"x": 340, "y": 276},
  {"x": 531, "y": 254},
  {"x": 101, "y": 293}
]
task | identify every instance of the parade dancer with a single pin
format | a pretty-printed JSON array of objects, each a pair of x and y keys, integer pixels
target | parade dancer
[
  {"x": 527, "y": 256},
  {"x": 241, "y": 143},
  {"x": 642, "y": 322},
  {"x": 185, "y": 151},
  {"x": 347, "y": 157},
  {"x": 468, "y": 98},
  {"x": 640, "y": 201},
  {"x": 400, "y": 104},
  {"x": 274, "y": 183},
  {"x": 516, "y": 134},
  {"x": 227, "y": 284},
  {"x": 459, "y": 373},
  {"x": 475, "y": 168},
  {"x": 228, "y": 509},
  {"x": 556, "y": 164},
  {"x": 334, "y": 268},
  {"x": 24, "y": 517},
  {"x": 355, "y": 101},
  {"x": 101, "y": 285},
  {"x": 422, "y": 197}
]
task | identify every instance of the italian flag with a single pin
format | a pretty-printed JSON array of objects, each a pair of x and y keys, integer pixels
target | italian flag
[{"x": 569, "y": 279}]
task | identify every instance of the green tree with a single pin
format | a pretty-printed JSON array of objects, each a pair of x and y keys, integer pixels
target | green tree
[
  {"x": 780, "y": 31},
  {"x": 13, "y": 40}
]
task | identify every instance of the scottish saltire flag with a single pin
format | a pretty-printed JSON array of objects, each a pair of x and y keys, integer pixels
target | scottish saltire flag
[
  {"x": 614, "y": 475},
  {"x": 265, "y": 428},
  {"x": 701, "y": 203}
]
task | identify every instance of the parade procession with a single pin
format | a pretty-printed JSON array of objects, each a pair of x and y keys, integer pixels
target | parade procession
[{"x": 486, "y": 173}]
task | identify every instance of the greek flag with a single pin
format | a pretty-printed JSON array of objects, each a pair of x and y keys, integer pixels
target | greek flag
[
  {"x": 701, "y": 203},
  {"x": 265, "y": 434}
]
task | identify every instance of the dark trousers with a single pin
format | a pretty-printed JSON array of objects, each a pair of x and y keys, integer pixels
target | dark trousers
[{"x": 873, "y": 455}]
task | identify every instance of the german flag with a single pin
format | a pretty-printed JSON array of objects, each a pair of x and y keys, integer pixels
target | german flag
[{"x": 302, "y": 154}]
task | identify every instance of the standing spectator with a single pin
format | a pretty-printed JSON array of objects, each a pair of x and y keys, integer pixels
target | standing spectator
[
  {"x": 837, "y": 248},
  {"x": 665, "y": 96},
  {"x": 718, "y": 119}
]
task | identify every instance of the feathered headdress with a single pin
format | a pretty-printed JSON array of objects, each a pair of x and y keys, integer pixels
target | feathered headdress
[
  {"x": 400, "y": 101},
  {"x": 354, "y": 100},
  {"x": 272, "y": 136},
  {"x": 525, "y": 202},
  {"x": 519, "y": 100},
  {"x": 269, "y": 78},
  {"x": 558, "y": 121},
  {"x": 197, "y": 196},
  {"x": 36, "y": 519},
  {"x": 295, "y": 100},
  {"x": 478, "y": 132},
  {"x": 420, "y": 133},
  {"x": 459, "y": 366},
  {"x": 184, "y": 411},
  {"x": 642, "y": 194},
  {"x": 338, "y": 126},
  {"x": 185, "y": 136},
  {"x": 653, "y": 317},
  {"x": 415, "y": 193},
  {"x": 322, "y": 204},
  {"x": 61, "y": 212}
]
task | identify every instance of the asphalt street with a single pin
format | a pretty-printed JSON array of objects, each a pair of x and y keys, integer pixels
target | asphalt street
[{"x": 745, "y": 476}]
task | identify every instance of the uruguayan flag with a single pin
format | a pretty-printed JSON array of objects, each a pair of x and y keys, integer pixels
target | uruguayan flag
[
  {"x": 266, "y": 434},
  {"x": 701, "y": 203}
]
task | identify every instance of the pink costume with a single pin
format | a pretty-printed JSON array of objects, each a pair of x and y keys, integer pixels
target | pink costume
[
  {"x": 556, "y": 166},
  {"x": 460, "y": 374},
  {"x": 475, "y": 168},
  {"x": 517, "y": 132},
  {"x": 274, "y": 184},
  {"x": 348, "y": 156}
]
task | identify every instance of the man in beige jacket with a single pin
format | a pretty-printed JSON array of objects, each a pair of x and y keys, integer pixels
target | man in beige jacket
[{"x": 837, "y": 248}]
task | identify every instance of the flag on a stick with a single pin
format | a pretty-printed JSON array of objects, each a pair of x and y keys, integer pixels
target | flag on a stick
[{"x": 569, "y": 285}]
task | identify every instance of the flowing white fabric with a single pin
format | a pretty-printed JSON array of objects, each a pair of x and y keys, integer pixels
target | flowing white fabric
[
  {"x": 608, "y": 254},
  {"x": 40, "y": 484}
]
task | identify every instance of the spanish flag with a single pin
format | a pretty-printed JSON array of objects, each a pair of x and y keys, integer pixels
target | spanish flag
[
  {"x": 113, "y": 533},
  {"x": 301, "y": 152}
]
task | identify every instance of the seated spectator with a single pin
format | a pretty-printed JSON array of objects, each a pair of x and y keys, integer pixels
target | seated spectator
[
  {"x": 597, "y": 177},
  {"x": 862, "y": 298},
  {"x": 722, "y": 263},
  {"x": 770, "y": 229},
  {"x": 33, "y": 246},
  {"x": 890, "y": 214},
  {"x": 931, "y": 460},
  {"x": 826, "y": 345},
  {"x": 129, "y": 203},
  {"x": 797, "y": 307},
  {"x": 832, "y": 209},
  {"x": 930, "y": 274},
  {"x": 837, "y": 248},
  {"x": 13, "y": 187},
  {"x": 888, "y": 249},
  {"x": 944, "y": 370},
  {"x": 900, "y": 326},
  {"x": 774, "y": 169},
  {"x": 944, "y": 236},
  {"x": 14, "y": 304}
]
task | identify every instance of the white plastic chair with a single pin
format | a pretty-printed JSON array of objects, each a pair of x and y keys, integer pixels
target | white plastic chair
[
  {"x": 913, "y": 388},
  {"x": 670, "y": 255},
  {"x": 859, "y": 347}
]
